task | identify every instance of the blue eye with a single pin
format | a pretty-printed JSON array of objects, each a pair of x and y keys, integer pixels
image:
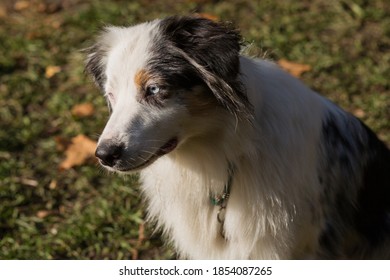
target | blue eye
[{"x": 153, "y": 89}]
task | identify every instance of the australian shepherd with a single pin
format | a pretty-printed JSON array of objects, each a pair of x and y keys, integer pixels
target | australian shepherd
[{"x": 237, "y": 159}]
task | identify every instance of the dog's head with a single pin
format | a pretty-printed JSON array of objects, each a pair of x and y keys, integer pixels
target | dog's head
[{"x": 165, "y": 81}]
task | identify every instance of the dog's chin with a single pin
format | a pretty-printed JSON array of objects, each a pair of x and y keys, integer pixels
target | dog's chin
[{"x": 163, "y": 150}]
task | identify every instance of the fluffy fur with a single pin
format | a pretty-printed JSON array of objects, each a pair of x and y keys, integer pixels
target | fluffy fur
[{"x": 309, "y": 180}]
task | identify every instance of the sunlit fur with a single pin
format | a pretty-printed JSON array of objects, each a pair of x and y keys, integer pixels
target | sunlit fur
[{"x": 277, "y": 132}]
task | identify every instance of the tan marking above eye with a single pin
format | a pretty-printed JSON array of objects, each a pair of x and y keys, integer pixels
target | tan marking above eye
[{"x": 141, "y": 78}]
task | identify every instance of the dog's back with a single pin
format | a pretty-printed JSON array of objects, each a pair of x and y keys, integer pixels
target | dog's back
[
  {"x": 355, "y": 173},
  {"x": 350, "y": 208}
]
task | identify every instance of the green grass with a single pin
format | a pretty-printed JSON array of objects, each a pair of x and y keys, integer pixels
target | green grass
[{"x": 83, "y": 213}]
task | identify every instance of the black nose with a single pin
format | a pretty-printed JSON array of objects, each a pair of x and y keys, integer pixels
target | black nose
[{"x": 109, "y": 153}]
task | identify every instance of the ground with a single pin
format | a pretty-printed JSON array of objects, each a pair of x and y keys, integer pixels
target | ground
[{"x": 51, "y": 210}]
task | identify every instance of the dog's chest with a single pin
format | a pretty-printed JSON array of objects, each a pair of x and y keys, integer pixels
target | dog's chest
[{"x": 180, "y": 204}]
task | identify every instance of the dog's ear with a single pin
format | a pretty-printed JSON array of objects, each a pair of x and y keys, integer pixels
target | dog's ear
[
  {"x": 213, "y": 45},
  {"x": 213, "y": 50},
  {"x": 95, "y": 63}
]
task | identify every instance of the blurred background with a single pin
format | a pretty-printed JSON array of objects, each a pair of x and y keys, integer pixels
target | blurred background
[{"x": 55, "y": 201}]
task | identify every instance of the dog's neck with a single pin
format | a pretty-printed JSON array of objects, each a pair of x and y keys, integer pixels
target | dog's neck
[{"x": 221, "y": 199}]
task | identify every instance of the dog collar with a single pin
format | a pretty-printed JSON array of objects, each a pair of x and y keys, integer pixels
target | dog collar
[{"x": 222, "y": 199}]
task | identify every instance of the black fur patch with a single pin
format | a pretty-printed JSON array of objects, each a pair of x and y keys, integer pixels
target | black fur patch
[
  {"x": 171, "y": 68},
  {"x": 214, "y": 49},
  {"x": 213, "y": 45},
  {"x": 373, "y": 204},
  {"x": 329, "y": 239},
  {"x": 356, "y": 194}
]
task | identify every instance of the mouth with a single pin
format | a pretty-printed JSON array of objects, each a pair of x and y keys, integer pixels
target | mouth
[{"x": 163, "y": 150}]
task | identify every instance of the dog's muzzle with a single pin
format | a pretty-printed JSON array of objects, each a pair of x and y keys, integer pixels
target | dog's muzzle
[{"x": 117, "y": 158}]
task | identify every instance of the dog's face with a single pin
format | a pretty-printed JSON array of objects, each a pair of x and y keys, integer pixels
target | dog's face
[{"x": 163, "y": 81}]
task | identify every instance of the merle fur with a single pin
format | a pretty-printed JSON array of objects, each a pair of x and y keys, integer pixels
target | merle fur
[
  {"x": 94, "y": 66},
  {"x": 356, "y": 195},
  {"x": 215, "y": 48}
]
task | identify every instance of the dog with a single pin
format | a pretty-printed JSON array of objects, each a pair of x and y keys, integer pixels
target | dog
[{"x": 237, "y": 158}]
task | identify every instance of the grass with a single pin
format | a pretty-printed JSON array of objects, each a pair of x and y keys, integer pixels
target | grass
[{"x": 83, "y": 213}]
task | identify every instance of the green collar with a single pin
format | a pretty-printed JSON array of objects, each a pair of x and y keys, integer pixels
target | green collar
[{"x": 221, "y": 199}]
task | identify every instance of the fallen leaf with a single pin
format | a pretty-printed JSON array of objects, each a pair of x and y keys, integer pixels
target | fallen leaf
[
  {"x": 295, "y": 69},
  {"x": 53, "y": 184},
  {"x": 208, "y": 16},
  {"x": 79, "y": 151},
  {"x": 83, "y": 110},
  {"x": 359, "y": 113},
  {"x": 51, "y": 70},
  {"x": 21, "y": 5},
  {"x": 42, "y": 214}
]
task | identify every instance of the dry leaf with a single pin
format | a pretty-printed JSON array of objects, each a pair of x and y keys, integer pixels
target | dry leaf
[
  {"x": 83, "y": 110},
  {"x": 42, "y": 214},
  {"x": 208, "y": 16},
  {"x": 359, "y": 113},
  {"x": 51, "y": 70},
  {"x": 53, "y": 184},
  {"x": 79, "y": 151},
  {"x": 21, "y": 5},
  {"x": 295, "y": 69}
]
